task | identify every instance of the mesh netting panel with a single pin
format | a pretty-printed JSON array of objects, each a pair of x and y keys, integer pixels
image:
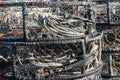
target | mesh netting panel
[
  {"x": 102, "y": 12},
  {"x": 105, "y": 69},
  {"x": 5, "y": 60},
  {"x": 112, "y": 39},
  {"x": 101, "y": 15},
  {"x": 11, "y": 23},
  {"x": 54, "y": 62},
  {"x": 4, "y": 53},
  {"x": 114, "y": 11},
  {"x": 48, "y": 21},
  {"x": 112, "y": 44},
  {"x": 60, "y": 31},
  {"x": 116, "y": 65}
]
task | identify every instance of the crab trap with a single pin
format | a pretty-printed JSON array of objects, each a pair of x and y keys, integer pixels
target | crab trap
[
  {"x": 60, "y": 60},
  {"x": 50, "y": 41},
  {"x": 111, "y": 39},
  {"x": 107, "y": 12},
  {"x": 112, "y": 48}
]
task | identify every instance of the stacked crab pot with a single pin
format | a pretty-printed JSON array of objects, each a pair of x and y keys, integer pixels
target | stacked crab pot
[{"x": 67, "y": 47}]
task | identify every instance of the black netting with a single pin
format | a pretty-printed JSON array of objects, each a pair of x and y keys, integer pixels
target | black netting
[
  {"x": 5, "y": 62},
  {"x": 4, "y": 54}
]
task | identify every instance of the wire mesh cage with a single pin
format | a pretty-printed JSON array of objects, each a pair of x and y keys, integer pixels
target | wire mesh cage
[
  {"x": 41, "y": 19},
  {"x": 58, "y": 61},
  {"x": 56, "y": 21},
  {"x": 111, "y": 41},
  {"x": 111, "y": 51},
  {"x": 58, "y": 44}
]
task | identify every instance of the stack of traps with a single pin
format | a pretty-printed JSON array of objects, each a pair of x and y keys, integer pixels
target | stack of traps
[{"x": 60, "y": 45}]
